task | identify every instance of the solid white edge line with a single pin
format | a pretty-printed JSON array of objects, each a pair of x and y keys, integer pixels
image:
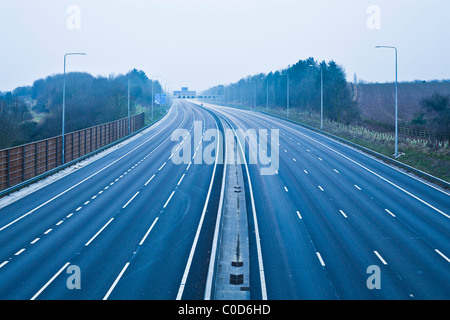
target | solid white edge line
[
  {"x": 197, "y": 234},
  {"x": 84, "y": 180},
  {"x": 279, "y": 122},
  {"x": 258, "y": 242},
  {"x": 99, "y": 231},
  {"x": 372, "y": 172},
  {"x": 273, "y": 119},
  {"x": 116, "y": 281},
  {"x": 50, "y": 281},
  {"x": 257, "y": 236},
  {"x": 212, "y": 260}
]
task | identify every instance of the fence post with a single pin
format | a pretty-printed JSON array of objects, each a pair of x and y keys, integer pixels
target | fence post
[
  {"x": 46, "y": 155},
  {"x": 35, "y": 159},
  {"x": 7, "y": 168},
  {"x": 56, "y": 151},
  {"x": 23, "y": 163},
  {"x": 72, "y": 144}
]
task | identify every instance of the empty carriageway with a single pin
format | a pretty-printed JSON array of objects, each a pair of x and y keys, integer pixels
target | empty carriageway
[
  {"x": 331, "y": 211},
  {"x": 127, "y": 220}
]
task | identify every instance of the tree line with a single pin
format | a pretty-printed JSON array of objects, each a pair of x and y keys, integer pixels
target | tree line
[
  {"x": 34, "y": 112},
  {"x": 304, "y": 78},
  {"x": 435, "y": 113}
]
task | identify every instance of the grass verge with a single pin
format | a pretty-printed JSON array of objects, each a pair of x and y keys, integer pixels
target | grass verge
[{"x": 432, "y": 157}]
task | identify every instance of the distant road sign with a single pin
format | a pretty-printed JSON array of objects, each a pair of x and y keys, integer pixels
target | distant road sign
[{"x": 160, "y": 98}]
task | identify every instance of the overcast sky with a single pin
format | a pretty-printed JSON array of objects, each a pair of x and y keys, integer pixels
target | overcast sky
[{"x": 202, "y": 43}]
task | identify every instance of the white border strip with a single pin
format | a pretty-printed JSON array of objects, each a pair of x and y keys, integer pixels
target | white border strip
[
  {"x": 197, "y": 234},
  {"x": 258, "y": 240},
  {"x": 84, "y": 180},
  {"x": 212, "y": 260},
  {"x": 50, "y": 281}
]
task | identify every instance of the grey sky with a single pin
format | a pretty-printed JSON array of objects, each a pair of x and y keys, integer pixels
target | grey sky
[{"x": 201, "y": 43}]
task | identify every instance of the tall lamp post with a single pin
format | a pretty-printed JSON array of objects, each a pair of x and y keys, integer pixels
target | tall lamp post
[
  {"x": 267, "y": 93},
  {"x": 129, "y": 80},
  {"x": 396, "y": 100},
  {"x": 64, "y": 103}
]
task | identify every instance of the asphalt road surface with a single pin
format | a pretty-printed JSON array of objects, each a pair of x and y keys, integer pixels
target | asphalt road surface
[{"x": 331, "y": 221}]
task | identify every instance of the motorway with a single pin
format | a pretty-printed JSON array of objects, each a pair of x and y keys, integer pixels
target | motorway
[
  {"x": 331, "y": 211},
  {"x": 139, "y": 226},
  {"x": 127, "y": 220}
]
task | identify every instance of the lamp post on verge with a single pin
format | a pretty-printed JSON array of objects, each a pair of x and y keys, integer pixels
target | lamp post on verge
[
  {"x": 396, "y": 100},
  {"x": 64, "y": 103},
  {"x": 267, "y": 93},
  {"x": 129, "y": 101}
]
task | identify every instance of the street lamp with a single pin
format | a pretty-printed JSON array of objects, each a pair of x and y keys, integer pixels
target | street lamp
[
  {"x": 64, "y": 103},
  {"x": 267, "y": 93},
  {"x": 129, "y": 75},
  {"x": 396, "y": 100}
]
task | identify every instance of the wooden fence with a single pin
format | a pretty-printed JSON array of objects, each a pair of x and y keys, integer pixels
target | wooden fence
[{"x": 18, "y": 164}]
